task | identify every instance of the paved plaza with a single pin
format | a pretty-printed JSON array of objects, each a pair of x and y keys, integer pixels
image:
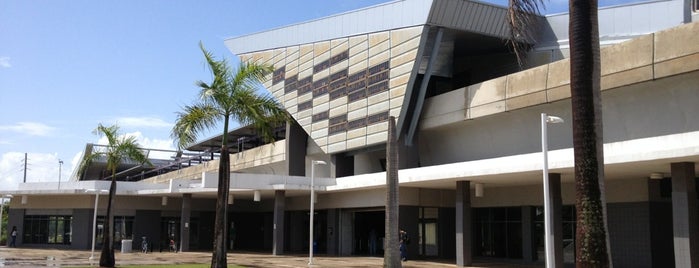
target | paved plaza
[{"x": 23, "y": 257}]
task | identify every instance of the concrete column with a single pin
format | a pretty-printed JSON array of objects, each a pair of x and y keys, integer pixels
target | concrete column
[
  {"x": 529, "y": 233},
  {"x": 684, "y": 215},
  {"x": 296, "y": 139},
  {"x": 463, "y": 224},
  {"x": 184, "y": 222},
  {"x": 278, "y": 222},
  {"x": 556, "y": 214}
]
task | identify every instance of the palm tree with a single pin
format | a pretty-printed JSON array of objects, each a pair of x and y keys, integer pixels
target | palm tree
[
  {"x": 391, "y": 257},
  {"x": 230, "y": 96},
  {"x": 119, "y": 149},
  {"x": 591, "y": 238}
]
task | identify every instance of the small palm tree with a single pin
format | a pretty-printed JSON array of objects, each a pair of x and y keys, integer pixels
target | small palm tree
[
  {"x": 119, "y": 149},
  {"x": 391, "y": 257},
  {"x": 230, "y": 96},
  {"x": 591, "y": 235}
]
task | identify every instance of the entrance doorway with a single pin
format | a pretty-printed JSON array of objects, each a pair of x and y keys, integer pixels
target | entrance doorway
[
  {"x": 369, "y": 232},
  {"x": 428, "y": 246}
]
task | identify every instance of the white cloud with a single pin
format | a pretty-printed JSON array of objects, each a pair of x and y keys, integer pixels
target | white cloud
[
  {"x": 142, "y": 122},
  {"x": 30, "y": 128},
  {"x": 5, "y": 62},
  {"x": 148, "y": 143},
  {"x": 41, "y": 167}
]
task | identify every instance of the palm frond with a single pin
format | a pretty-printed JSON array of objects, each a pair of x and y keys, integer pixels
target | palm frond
[
  {"x": 192, "y": 122},
  {"x": 521, "y": 17}
]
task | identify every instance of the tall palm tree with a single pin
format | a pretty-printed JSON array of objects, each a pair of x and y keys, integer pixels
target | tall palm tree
[
  {"x": 391, "y": 257},
  {"x": 230, "y": 96},
  {"x": 119, "y": 149},
  {"x": 591, "y": 234}
]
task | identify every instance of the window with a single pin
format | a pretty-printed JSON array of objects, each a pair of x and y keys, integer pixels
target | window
[
  {"x": 123, "y": 229},
  {"x": 497, "y": 232},
  {"x": 47, "y": 229}
]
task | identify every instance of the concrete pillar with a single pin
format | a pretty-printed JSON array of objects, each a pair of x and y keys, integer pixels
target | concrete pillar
[
  {"x": 296, "y": 139},
  {"x": 184, "y": 222},
  {"x": 556, "y": 214},
  {"x": 529, "y": 233},
  {"x": 684, "y": 215},
  {"x": 463, "y": 224},
  {"x": 278, "y": 222}
]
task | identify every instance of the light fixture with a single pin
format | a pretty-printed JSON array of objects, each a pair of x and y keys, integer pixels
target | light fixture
[
  {"x": 548, "y": 203},
  {"x": 479, "y": 190},
  {"x": 230, "y": 199},
  {"x": 24, "y": 199},
  {"x": 94, "y": 218},
  {"x": 310, "y": 222},
  {"x": 163, "y": 200},
  {"x": 657, "y": 176},
  {"x": 256, "y": 196}
]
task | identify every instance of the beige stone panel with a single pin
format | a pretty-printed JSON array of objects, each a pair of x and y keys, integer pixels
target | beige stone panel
[
  {"x": 339, "y": 102},
  {"x": 487, "y": 109},
  {"x": 378, "y": 107},
  {"x": 338, "y": 137},
  {"x": 558, "y": 74},
  {"x": 291, "y": 70},
  {"x": 291, "y": 95},
  {"x": 320, "y": 57},
  {"x": 627, "y": 77},
  {"x": 358, "y": 104},
  {"x": 305, "y": 58},
  {"x": 396, "y": 102},
  {"x": 402, "y": 35},
  {"x": 278, "y": 94},
  {"x": 356, "y": 114},
  {"x": 377, "y": 38},
  {"x": 320, "y": 104},
  {"x": 404, "y": 58},
  {"x": 339, "y": 47},
  {"x": 320, "y": 75},
  {"x": 677, "y": 66},
  {"x": 395, "y": 112},
  {"x": 558, "y": 93},
  {"x": 355, "y": 133},
  {"x": 358, "y": 58},
  {"x": 374, "y": 99},
  {"x": 406, "y": 46},
  {"x": 305, "y": 71},
  {"x": 290, "y": 102},
  {"x": 267, "y": 83},
  {"x": 397, "y": 92},
  {"x": 337, "y": 147},
  {"x": 339, "y": 66},
  {"x": 305, "y": 97},
  {"x": 375, "y": 138},
  {"x": 627, "y": 55},
  {"x": 292, "y": 109},
  {"x": 321, "y": 140},
  {"x": 527, "y": 81},
  {"x": 378, "y": 127},
  {"x": 525, "y": 100},
  {"x": 279, "y": 58},
  {"x": 245, "y": 57},
  {"x": 379, "y": 48},
  {"x": 337, "y": 110},
  {"x": 305, "y": 49},
  {"x": 354, "y": 40},
  {"x": 319, "y": 125},
  {"x": 677, "y": 42},
  {"x": 321, "y": 47},
  {"x": 401, "y": 81},
  {"x": 356, "y": 142},
  {"x": 401, "y": 70},
  {"x": 338, "y": 42},
  {"x": 359, "y": 66},
  {"x": 487, "y": 92},
  {"x": 358, "y": 48},
  {"x": 292, "y": 53},
  {"x": 305, "y": 114}
]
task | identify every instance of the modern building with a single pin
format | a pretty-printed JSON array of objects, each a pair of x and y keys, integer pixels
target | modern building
[{"x": 469, "y": 123}]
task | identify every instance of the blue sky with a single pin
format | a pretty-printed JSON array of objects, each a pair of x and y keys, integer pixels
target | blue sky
[{"x": 66, "y": 66}]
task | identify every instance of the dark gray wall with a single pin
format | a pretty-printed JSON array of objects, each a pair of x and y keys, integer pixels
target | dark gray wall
[
  {"x": 629, "y": 232},
  {"x": 82, "y": 229},
  {"x": 15, "y": 217},
  {"x": 296, "y": 139},
  {"x": 147, "y": 223},
  {"x": 447, "y": 233},
  {"x": 408, "y": 220}
]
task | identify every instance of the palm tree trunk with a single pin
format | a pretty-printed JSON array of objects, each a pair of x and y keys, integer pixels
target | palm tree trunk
[
  {"x": 591, "y": 229},
  {"x": 107, "y": 255},
  {"x": 219, "y": 258},
  {"x": 391, "y": 257}
]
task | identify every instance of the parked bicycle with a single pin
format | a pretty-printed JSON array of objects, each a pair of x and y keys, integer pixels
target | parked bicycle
[{"x": 144, "y": 245}]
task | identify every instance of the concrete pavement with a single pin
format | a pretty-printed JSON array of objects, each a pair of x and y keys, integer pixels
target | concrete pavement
[{"x": 24, "y": 257}]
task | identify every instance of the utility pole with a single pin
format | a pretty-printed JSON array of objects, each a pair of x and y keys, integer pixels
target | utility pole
[
  {"x": 60, "y": 164},
  {"x": 25, "y": 168}
]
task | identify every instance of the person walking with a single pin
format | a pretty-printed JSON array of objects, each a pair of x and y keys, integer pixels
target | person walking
[
  {"x": 13, "y": 242},
  {"x": 404, "y": 241}
]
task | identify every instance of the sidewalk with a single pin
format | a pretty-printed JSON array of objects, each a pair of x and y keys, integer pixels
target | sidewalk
[{"x": 23, "y": 257}]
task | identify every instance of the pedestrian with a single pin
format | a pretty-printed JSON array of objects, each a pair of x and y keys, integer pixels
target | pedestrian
[
  {"x": 13, "y": 243},
  {"x": 404, "y": 241}
]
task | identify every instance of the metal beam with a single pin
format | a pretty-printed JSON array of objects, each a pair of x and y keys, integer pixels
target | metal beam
[{"x": 423, "y": 88}]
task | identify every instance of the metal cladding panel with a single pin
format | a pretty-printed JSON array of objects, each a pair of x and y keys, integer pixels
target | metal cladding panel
[
  {"x": 472, "y": 16},
  {"x": 383, "y": 17},
  {"x": 620, "y": 22}
]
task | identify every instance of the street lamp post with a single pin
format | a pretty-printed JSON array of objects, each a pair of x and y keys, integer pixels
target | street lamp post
[
  {"x": 310, "y": 228},
  {"x": 60, "y": 164},
  {"x": 548, "y": 205},
  {"x": 2, "y": 208},
  {"x": 94, "y": 218}
]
